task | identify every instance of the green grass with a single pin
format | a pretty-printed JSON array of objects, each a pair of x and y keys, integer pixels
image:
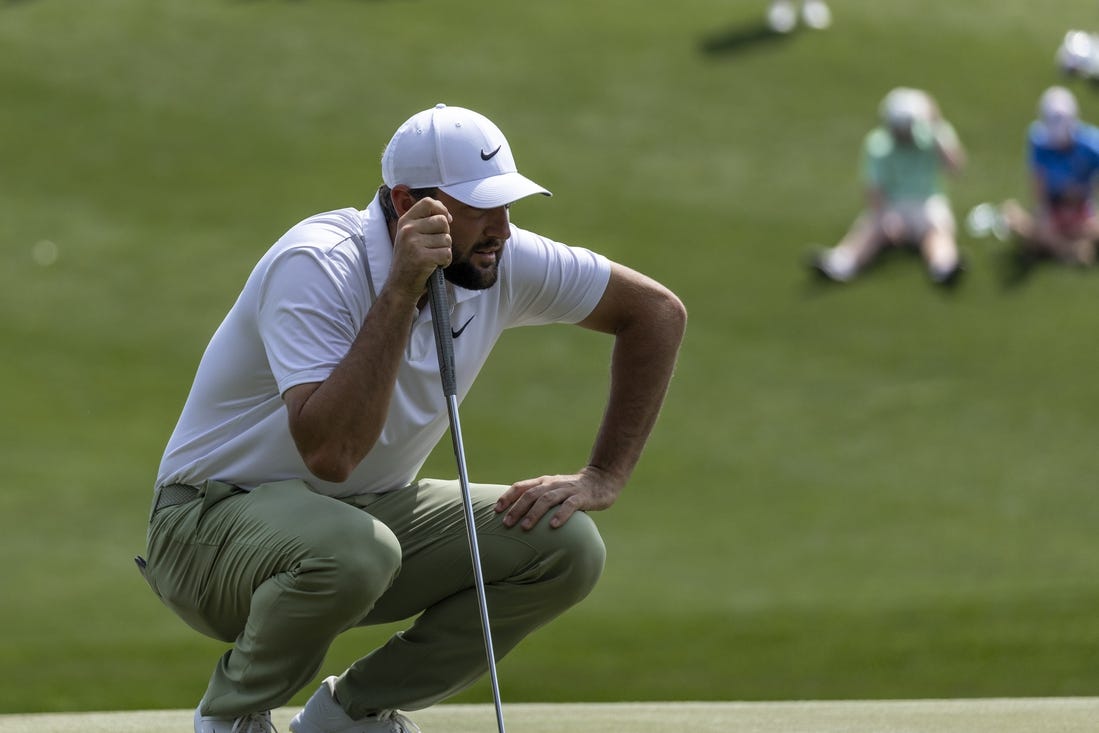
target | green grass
[
  {"x": 1016, "y": 715},
  {"x": 876, "y": 491}
]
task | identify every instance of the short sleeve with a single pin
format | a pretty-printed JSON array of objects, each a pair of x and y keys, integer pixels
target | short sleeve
[
  {"x": 304, "y": 322},
  {"x": 550, "y": 282},
  {"x": 875, "y": 147}
]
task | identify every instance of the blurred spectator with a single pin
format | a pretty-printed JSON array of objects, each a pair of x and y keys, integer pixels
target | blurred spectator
[
  {"x": 1063, "y": 157},
  {"x": 782, "y": 15},
  {"x": 1078, "y": 54},
  {"x": 903, "y": 160}
]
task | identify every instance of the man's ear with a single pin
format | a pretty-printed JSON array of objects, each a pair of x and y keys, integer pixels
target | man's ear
[{"x": 402, "y": 199}]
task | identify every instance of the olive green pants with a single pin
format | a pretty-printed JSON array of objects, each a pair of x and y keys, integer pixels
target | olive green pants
[{"x": 280, "y": 571}]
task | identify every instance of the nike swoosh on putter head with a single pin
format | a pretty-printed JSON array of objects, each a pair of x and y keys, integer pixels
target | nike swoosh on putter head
[
  {"x": 490, "y": 156},
  {"x": 456, "y": 334}
]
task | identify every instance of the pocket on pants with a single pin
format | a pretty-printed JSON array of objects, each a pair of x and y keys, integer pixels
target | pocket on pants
[{"x": 182, "y": 560}]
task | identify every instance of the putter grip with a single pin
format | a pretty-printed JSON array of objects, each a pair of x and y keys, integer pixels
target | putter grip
[{"x": 444, "y": 341}]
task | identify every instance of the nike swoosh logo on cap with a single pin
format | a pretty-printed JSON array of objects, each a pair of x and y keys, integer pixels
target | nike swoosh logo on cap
[
  {"x": 490, "y": 156},
  {"x": 456, "y": 334}
]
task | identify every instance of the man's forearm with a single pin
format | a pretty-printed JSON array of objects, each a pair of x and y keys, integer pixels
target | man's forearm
[{"x": 641, "y": 368}]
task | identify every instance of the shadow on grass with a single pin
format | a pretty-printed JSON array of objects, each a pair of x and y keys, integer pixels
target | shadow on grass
[
  {"x": 742, "y": 37},
  {"x": 257, "y": 1},
  {"x": 1018, "y": 271},
  {"x": 888, "y": 260}
]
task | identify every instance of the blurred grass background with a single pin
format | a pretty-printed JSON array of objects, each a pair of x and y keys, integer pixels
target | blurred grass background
[{"x": 877, "y": 491}]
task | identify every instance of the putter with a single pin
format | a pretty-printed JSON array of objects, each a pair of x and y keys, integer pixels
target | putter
[{"x": 444, "y": 341}]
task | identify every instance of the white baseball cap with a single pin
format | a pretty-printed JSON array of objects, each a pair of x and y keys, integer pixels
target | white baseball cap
[
  {"x": 459, "y": 152},
  {"x": 1058, "y": 114},
  {"x": 1057, "y": 102},
  {"x": 903, "y": 107}
]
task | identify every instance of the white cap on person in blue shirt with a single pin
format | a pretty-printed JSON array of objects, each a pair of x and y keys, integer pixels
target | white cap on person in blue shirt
[{"x": 1058, "y": 114}]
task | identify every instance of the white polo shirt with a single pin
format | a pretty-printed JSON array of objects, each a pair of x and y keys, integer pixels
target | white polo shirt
[{"x": 295, "y": 319}]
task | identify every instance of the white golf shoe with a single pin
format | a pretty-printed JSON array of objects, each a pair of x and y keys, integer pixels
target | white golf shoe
[
  {"x": 322, "y": 714},
  {"x": 816, "y": 14},
  {"x": 782, "y": 16},
  {"x": 252, "y": 723},
  {"x": 985, "y": 220}
]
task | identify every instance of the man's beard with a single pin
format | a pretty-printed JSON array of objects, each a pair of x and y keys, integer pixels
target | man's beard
[{"x": 465, "y": 275}]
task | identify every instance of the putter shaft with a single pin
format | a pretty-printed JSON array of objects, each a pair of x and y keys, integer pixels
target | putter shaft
[{"x": 440, "y": 311}]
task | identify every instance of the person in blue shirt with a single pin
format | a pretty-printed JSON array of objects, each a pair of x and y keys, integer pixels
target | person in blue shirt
[{"x": 1063, "y": 158}]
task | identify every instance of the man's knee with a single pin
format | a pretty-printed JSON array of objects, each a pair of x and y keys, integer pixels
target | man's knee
[
  {"x": 353, "y": 569},
  {"x": 581, "y": 555}
]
